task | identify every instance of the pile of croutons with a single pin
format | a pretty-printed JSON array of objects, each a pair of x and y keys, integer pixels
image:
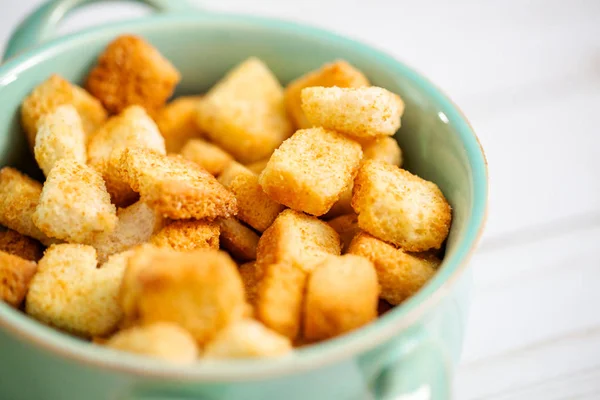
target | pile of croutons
[{"x": 241, "y": 223}]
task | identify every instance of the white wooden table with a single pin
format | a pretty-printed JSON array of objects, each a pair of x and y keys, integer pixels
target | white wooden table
[{"x": 527, "y": 73}]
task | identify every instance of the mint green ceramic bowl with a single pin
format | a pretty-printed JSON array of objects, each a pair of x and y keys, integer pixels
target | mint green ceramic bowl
[{"x": 411, "y": 349}]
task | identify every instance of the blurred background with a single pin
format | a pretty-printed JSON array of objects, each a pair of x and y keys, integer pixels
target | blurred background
[{"x": 527, "y": 75}]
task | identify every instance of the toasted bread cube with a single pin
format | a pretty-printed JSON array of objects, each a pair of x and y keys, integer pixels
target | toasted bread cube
[
  {"x": 133, "y": 128},
  {"x": 177, "y": 121},
  {"x": 254, "y": 207},
  {"x": 250, "y": 278},
  {"x": 338, "y": 73},
  {"x": 258, "y": 166},
  {"x": 60, "y": 135},
  {"x": 298, "y": 239},
  {"x": 12, "y": 242},
  {"x": 280, "y": 294},
  {"x": 19, "y": 197},
  {"x": 247, "y": 339},
  {"x": 54, "y": 92},
  {"x": 359, "y": 112},
  {"x": 400, "y": 274},
  {"x": 135, "y": 225},
  {"x": 131, "y": 71},
  {"x": 206, "y": 155},
  {"x": 175, "y": 187},
  {"x": 342, "y": 295},
  {"x": 310, "y": 170},
  {"x": 347, "y": 227},
  {"x": 343, "y": 206},
  {"x": 70, "y": 293},
  {"x": 200, "y": 290},
  {"x": 384, "y": 149},
  {"x": 188, "y": 235},
  {"x": 15, "y": 277},
  {"x": 239, "y": 240},
  {"x": 244, "y": 113},
  {"x": 74, "y": 205},
  {"x": 162, "y": 340},
  {"x": 396, "y": 206}
]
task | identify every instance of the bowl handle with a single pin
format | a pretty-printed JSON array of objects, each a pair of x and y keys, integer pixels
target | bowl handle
[{"x": 41, "y": 24}]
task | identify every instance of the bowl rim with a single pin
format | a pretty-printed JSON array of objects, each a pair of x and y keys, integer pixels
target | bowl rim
[{"x": 311, "y": 357}]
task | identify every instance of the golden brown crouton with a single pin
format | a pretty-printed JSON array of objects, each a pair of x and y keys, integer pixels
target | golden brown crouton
[
  {"x": 131, "y": 71},
  {"x": 177, "y": 122},
  {"x": 133, "y": 128},
  {"x": 297, "y": 239},
  {"x": 244, "y": 113},
  {"x": 60, "y": 135},
  {"x": 347, "y": 227},
  {"x": 70, "y": 293},
  {"x": 400, "y": 274},
  {"x": 343, "y": 206},
  {"x": 201, "y": 290},
  {"x": 19, "y": 197},
  {"x": 279, "y": 301},
  {"x": 15, "y": 276},
  {"x": 360, "y": 112},
  {"x": 206, "y": 155},
  {"x": 254, "y": 207},
  {"x": 383, "y": 148},
  {"x": 258, "y": 166},
  {"x": 338, "y": 73},
  {"x": 396, "y": 206},
  {"x": 310, "y": 170},
  {"x": 188, "y": 235},
  {"x": 239, "y": 240},
  {"x": 12, "y": 242},
  {"x": 74, "y": 205},
  {"x": 175, "y": 187},
  {"x": 162, "y": 340},
  {"x": 342, "y": 295},
  {"x": 250, "y": 278},
  {"x": 54, "y": 92},
  {"x": 247, "y": 339}
]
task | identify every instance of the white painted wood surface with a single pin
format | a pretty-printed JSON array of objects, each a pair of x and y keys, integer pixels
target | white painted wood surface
[{"x": 527, "y": 74}]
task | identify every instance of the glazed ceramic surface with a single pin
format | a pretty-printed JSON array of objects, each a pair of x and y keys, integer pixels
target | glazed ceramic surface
[{"x": 410, "y": 351}]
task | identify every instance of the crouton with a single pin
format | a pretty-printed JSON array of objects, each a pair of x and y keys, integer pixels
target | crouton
[
  {"x": 254, "y": 207},
  {"x": 162, "y": 340},
  {"x": 19, "y": 197},
  {"x": 258, "y": 166},
  {"x": 175, "y": 187},
  {"x": 298, "y": 239},
  {"x": 279, "y": 300},
  {"x": 310, "y": 170},
  {"x": 239, "y": 240},
  {"x": 250, "y": 278},
  {"x": 400, "y": 274},
  {"x": 244, "y": 113},
  {"x": 383, "y": 148},
  {"x": 338, "y": 73},
  {"x": 131, "y": 71},
  {"x": 206, "y": 155},
  {"x": 360, "y": 112},
  {"x": 396, "y": 206},
  {"x": 344, "y": 204},
  {"x": 60, "y": 135},
  {"x": 247, "y": 339},
  {"x": 54, "y": 92},
  {"x": 133, "y": 128},
  {"x": 74, "y": 205},
  {"x": 70, "y": 293},
  {"x": 188, "y": 235},
  {"x": 347, "y": 227},
  {"x": 177, "y": 121},
  {"x": 342, "y": 295},
  {"x": 15, "y": 276},
  {"x": 201, "y": 290},
  {"x": 12, "y": 242},
  {"x": 135, "y": 225}
]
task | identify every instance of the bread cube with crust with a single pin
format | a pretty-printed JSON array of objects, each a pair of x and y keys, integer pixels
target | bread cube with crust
[
  {"x": 188, "y": 235},
  {"x": 400, "y": 274},
  {"x": 239, "y": 240},
  {"x": 244, "y": 113},
  {"x": 401, "y": 208},
  {"x": 310, "y": 170},
  {"x": 177, "y": 122},
  {"x": 15, "y": 277},
  {"x": 338, "y": 73},
  {"x": 12, "y": 242},
  {"x": 250, "y": 278},
  {"x": 258, "y": 166},
  {"x": 210, "y": 157},
  {"x": 74, "y": 205},
  {"x": 360, "y": 112},
  {"x": 132, "y": 71},
  {"x": 347, "y": 227},
  {"x": 384, "y": 149}
]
